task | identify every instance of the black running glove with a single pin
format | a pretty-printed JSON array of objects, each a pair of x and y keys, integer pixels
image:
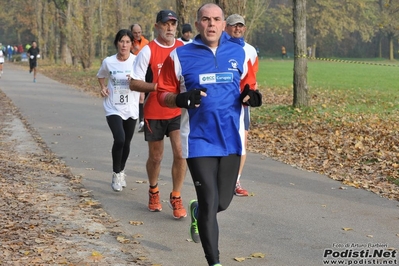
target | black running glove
[
  {"x": 255, "y": 97},
  {"x": 189, "y": 99}
]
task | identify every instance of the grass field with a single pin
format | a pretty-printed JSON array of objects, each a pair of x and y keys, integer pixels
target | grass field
[
  {"x": 332, "y": 75},
  {"x": 334, "y": 87}
]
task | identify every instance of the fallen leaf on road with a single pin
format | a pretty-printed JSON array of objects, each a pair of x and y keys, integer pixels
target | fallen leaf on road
[
  {"x": 122, "y": 239},
  {"x": 258, "y": 255},
  {"x": 239, "y": 259},
  {"x": 136, "y": 222},
  {"x": 96, "y": 256},
  {"x": 346, "y": 229}
]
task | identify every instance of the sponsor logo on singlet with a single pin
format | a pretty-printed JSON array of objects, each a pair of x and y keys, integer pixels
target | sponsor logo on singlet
[{"x": 210, "y": 78}]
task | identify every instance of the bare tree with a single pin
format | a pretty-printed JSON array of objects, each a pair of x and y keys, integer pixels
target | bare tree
[
  {"x": 81, "y": 34},
  {"x": 63, "y": 17},
  {"x": 254, "y": 16},
  {"x": 300, "y": 62},
  {"x": 182, "y": 11},
  {"x": 389, "y": 24},
  {"x": 88, "y": 53},
  {"x": 237, "y": 7},
  {"x": 187, "y": 12}
]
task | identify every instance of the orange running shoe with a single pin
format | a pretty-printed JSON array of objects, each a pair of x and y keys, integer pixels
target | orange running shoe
[
  {"x": 176, "y": 204},
  {"x": 154, "y": 204},
  {"x": 239, "y": 191}
]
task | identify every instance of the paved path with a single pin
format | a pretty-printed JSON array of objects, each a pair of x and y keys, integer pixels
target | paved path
[{"x": 293, "y": 217}]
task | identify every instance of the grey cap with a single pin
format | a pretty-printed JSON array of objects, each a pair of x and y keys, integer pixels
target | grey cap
[{"x": 235, "y": 19}]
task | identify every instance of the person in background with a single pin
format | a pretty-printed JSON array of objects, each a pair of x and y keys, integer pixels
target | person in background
[
  {"x": 160, "y": 121},
  {"x": 139, "y": 42},
  {"x": 20, "y": 49},
  {"x": 27, "y": 46},
  {"x": 186, "y": 34},
  {"x": 210, "y": 79},
  {"x": 2, "y": 59},
  {"x": 283, "y": 52},
  {"x": 120, "y": 103},
  {"x": 33, "y": 54},
  {"x": 235, "y": 27},
  {"x": 10, "y": 52}
]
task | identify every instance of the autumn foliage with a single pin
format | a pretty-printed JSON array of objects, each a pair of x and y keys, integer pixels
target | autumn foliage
[{"x": 361, "y": 150}]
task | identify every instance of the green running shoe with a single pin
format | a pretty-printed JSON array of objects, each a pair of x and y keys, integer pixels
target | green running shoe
[{"x": 193, "y": 205}]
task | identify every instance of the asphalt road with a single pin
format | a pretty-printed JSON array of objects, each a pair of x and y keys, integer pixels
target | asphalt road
[{"x": 294, "y": 217}]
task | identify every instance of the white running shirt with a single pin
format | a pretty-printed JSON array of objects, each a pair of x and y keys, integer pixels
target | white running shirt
[{"x": 121, "y": 100}]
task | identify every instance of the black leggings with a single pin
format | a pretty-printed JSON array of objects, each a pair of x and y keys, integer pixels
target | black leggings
[
  {"x": 214, "y": 180},
  {"x": 123, "y": 131}
]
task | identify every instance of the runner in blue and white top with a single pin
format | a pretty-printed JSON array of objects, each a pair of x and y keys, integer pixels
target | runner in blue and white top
[
  {"x": 210, "y": 79},
  {"x": 223, "y": 72}
]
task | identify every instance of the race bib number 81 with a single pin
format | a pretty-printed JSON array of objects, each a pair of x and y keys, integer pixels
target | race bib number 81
[
  {"x": 121, "y": 92},
  {"x": 121, "y": 95}
]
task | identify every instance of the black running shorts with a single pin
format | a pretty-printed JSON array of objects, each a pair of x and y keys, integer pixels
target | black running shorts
[{"x": 155, "y": 130}]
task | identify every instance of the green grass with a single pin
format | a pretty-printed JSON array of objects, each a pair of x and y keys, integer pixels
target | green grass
[
  {"x": 331, "y": 75},
  {"x": 335, "y": 88}
]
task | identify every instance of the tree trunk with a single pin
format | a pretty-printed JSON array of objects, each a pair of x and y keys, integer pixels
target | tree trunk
[
  {"x": 391, "y": 50},
  {"x": 314, "y": 47},
  {"x": 63, "y": 17},
  {"x": 182, "y": 12},
  {"x": 300, "y": 62},
  {"x": 223, "y": 4},
  {"x": 87, "y": 51},
  {"x": 238, "y": 7},
  {"x": 119, "y": 14},
  {"x": 39, "y": 16}
]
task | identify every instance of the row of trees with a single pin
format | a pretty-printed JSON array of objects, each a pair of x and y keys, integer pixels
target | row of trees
[{"x": 71, "y": 31}]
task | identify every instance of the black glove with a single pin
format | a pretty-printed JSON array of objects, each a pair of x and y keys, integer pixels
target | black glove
[
  {"x": 255, "y": 98},
  {"x": 189, "y": 99}
]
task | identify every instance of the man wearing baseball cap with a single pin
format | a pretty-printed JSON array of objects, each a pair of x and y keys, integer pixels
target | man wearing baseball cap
[
  {"x": 165, "y": 15},
  {"x": 2, "y": 56},
  {"x": 235, "y": 27},
  {"x": 160, "y": 121},
  {"x": 235, "y": 19}
]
